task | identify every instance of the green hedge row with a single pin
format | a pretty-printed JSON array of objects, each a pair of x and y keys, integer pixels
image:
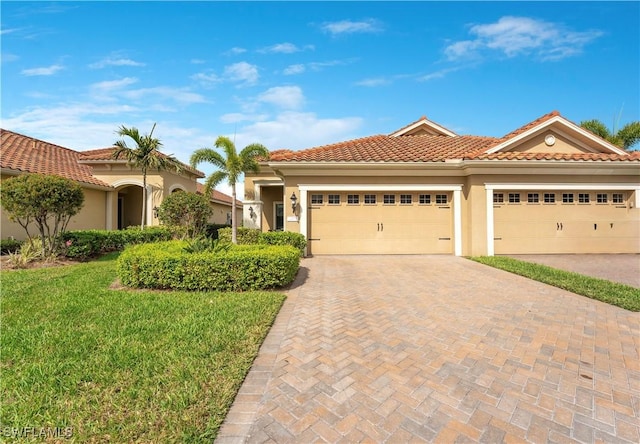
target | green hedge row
[
  {"x": 87, "y": 243},
  {"x": 167, "y": 265},
  {"x": 250, "y": 236}
]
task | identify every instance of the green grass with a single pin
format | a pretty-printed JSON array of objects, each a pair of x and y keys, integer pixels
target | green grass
[
  {"x": 621, "y": 295},
  {"x": 123, "y": 366}
]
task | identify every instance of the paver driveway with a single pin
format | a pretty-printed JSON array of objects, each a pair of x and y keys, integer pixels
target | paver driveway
[{"x": 438, "y": 349}]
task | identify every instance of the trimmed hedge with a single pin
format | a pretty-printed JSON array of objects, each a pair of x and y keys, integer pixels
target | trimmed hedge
[
  {"x": 87, "y": 243},
  {"x": 166, "y": 265},
  {"x": 250, "y": 236}
]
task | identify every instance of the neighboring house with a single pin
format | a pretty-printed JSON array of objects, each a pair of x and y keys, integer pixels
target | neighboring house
[
  {"x": 547, "y": 187},
  {"x": 112, "y": 188}
]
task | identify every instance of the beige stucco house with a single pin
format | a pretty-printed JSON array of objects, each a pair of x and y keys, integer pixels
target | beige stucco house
[
  {"x": 112, "y": 188},
  {"x": 547, "y": 187}
]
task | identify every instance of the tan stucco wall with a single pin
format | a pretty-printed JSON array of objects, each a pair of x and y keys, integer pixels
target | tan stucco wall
[
  {"x": 91, "y": 216},
  {"x": 537, "y": 145}
]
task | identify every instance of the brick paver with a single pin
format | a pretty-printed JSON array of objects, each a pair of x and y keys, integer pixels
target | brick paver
[{"x": 438, "y": 349}]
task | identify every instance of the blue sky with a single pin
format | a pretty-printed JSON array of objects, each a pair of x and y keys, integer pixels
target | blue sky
[{"x": 301, "y": 74}]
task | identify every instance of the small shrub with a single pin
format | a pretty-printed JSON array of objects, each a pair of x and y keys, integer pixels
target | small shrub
[
  {"x": 88, "y": 243},
  {"x": 9, "y": 246},
  {"x": 203, "y": 244},
  {"x": 246, "y": 236},
  {"x": 188, "y": 210},
  {"x": 296, "y": 240},
  {"x": 30, "y": 251},
  {"x": 167, "y": 265}
]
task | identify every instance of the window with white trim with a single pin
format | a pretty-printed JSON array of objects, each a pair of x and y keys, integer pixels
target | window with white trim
[
  {"x": 369, "y": 199},
  {"x": 617, "y": 198},
  {"x": 583, "y": 197},
  {"x": 498, "y": 198},
  {"x": 514, "y": 197},
  {"x": 533, "y": 198},
  {"x": 549, "y": 198},
  {"x": 406, "y": 199},
  {"x": 602, "y": 198},
  {"x": 353, "y": 199},
  {"x": 441, "y": 199},
  {"x": 567, "y": 197},
  {"x": 334, "y": 199},
  {"x": 425, "y": 199},
  {"x": 317, "y": 199},
  {"x": 389, "y": 199}
]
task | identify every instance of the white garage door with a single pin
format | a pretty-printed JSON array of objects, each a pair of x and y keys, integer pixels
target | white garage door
[
  {"x": 380, "y": 222},
  {"x": 565, "y": 221}
]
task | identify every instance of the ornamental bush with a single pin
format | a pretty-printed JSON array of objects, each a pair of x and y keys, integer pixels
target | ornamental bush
[
  {"x": 188, "y": 210},
  {"x": 83, "y": 244},
  {"x": 250, "y": 236},
  {"x": 246, "y": 236},
  {"x": 167, "y": 265}
]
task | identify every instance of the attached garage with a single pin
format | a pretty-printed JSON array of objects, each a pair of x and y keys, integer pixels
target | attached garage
[
  {"x": 571, "y": 219},
  {"x": 377, "y": 220}
]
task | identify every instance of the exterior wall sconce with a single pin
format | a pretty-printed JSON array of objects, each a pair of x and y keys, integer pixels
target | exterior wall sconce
[
  {"x": 252, "y": 214},
  {"x": 294, "y": 202},
  {"x": 155, "y": 212}
]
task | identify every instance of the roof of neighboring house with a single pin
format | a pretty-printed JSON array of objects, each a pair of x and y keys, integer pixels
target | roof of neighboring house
[
  {"x": 29, "y": 155},
  {"x": 106, "y": 154},
  {"x": 398, "y": 147},
  {"x": 217, "y": 195}
]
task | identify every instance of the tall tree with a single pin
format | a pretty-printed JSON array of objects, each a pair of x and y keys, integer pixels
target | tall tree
[
  {"x": 145, "y": 155},
  {"x": 230, "y": 167},
  {"x": 625, "y": 137}
]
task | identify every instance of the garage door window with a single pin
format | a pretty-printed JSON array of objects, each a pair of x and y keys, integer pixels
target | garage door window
[
  {"x": 583, "y": 197},
  {"x": 353, "y": 199},
  {"x": 389, "y": 199},
  {"x": 514, "y": 197},
  {"x": 567, "y": 197},
  {"x": 602, "y": 198},
  {"x": 441, "y": 199},
  {"x": 549, "y": 198},
  {"x": 317, "y": 199},
  {"x": 533, "y": 198},
  {"x": 406, "y": 199},
  {"x": 617, "y": 198},
  {"x": 369, "y": 199},
  {"x": 334, "y": 199},
  {"x": 425, "y": 199},
  {"x": 498, "y": 198}
]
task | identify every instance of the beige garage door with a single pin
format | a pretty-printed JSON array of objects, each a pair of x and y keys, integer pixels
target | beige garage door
[
  {"x": 380, "y": 223},
  {"x": 538, "y": 222}
]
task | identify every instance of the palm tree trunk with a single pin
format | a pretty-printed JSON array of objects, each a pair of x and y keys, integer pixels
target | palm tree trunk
[{"x": 234, "y": 222}]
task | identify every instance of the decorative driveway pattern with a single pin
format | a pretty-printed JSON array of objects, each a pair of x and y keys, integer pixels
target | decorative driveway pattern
[{"x": 438, "y": 349}]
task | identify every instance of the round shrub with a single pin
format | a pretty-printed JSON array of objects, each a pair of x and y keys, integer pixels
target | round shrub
[
  {"x": 188, "y": 210},
  {"x": 168, "y": 265}
]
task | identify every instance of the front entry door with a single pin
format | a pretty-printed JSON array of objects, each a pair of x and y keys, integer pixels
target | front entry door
[{"x": 278, "y": 216}]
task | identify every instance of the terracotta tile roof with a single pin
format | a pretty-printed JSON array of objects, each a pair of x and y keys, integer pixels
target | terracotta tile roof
[
  {"x": 510, "y": 155},
  {"x": 381, "y": 148},
  {"x": 217, "y": 195},
  {"x": 530, "y": 125},
  {"x": 103, "y": 154},
  {"x": 26, "y": 154}
]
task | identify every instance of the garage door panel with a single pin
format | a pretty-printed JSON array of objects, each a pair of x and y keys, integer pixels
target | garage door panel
[{"x": 566, "y": 227}]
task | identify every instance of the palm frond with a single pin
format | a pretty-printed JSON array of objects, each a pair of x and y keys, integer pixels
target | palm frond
[{"x": 207, "y": 155}]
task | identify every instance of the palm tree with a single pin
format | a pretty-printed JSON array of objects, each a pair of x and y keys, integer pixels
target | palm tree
[
  {"x": 625, "y": 137},
  {"x": 146, "y": 155},
  {"x": 230, "y": 168}
]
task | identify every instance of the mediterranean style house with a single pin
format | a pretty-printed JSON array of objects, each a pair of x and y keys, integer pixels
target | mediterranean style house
[
  {"x": 112, "y": 188},
  {"x": 547, "y": 187}
]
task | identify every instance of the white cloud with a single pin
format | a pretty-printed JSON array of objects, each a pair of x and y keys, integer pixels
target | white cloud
[
  {"x": 294, "y": 69},
  {"x": 43, "y": 71},
  {"x": 242, "y": 72},
  {"x": 8, "y": 31},
  {"x": 109, "y": 85},
  {"x": 6, "y": 57},
  {"x": 235, "y": 51},
  {"x": 285, "y": 48},
  {"x": 206, "y": 78},
  {"x": 197, "y": 61},
  {"x": 437, "y": 74},
  {"x": 513, "y": 36},
  {"x": 164, "y": 92},
  {"x": 378, "y": 81},
  {"x": 352, "y": 27},
  {"x": 241, "y": 117},
  {"x": 285, "y": 97},
  {"x": 114, "y": 60}
]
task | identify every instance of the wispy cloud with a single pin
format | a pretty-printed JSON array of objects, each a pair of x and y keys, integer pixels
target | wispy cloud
[
  {"x": 6, "y": 57},
  {"x": 197, "y": 61},
  {"x": 352, "y": 27},
  {"x": 235, "y": 51},
  {"x": 313, "y": 66},
  {"x": 241, "y": 117},
  {"x": 109, "y": 85},
  {"x": 378, "y": 81},
  {"x": 181, "y": 95},
  {"x": 114, "y": 60},
  {"x": 515, "y": 36},
  {"x": 285, "y": 97},
  {"x": 8, "y": 31},
  {"x": 437, "y": 74},
  {"x": 285, "y": 48},
  {"x": 42, "y": 71},
  {"x": 206, "y": 78},
  {"x": 291, "y": 70},
  {"x": 242, "y": 73}
]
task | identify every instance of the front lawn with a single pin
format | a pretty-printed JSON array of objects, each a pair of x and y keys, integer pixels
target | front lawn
[
  {"x": 123, "y": 366},
  {"x": 621, "y": 295}
]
